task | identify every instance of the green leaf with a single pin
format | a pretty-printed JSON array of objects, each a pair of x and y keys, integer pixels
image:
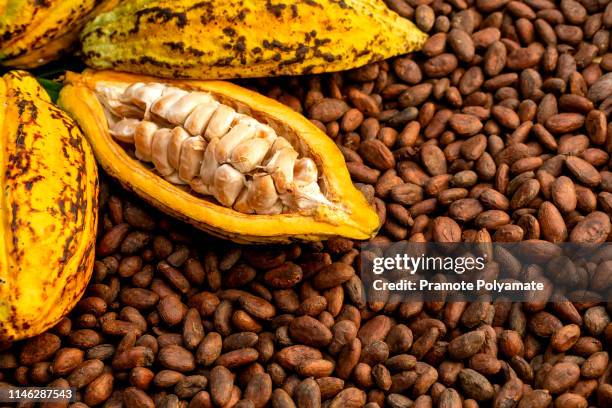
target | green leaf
[{"x": 53, "y": 88}]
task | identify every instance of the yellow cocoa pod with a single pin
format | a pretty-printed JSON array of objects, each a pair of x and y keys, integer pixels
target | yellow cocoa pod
[
  {"x": 49, "y": 183},
  {"x": 219, "y": 39},
  {"x": 226, "y": 159},
  {"x": 34, "y": 32}
]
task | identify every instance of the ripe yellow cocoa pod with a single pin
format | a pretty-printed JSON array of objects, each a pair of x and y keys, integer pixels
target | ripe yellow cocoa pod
[
  {"x": 220, "y": 39},
  {"x": 33, "y": 33},
  {"x": 226, "y": 159},
  {"x": 49, "y": 183}
]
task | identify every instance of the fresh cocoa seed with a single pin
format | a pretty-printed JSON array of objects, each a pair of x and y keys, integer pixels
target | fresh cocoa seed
[
  {"x": 99, "y": 390},
  {"x": 563, "y": 339},
  {"x": 462, "y": 44},
  {"x": 434, "y": 45},
  {"x": 85, "y": 373},
  {"x": 563, "y": 194},
  {"x": 475, "y": 385},
  {"x": 171, "y": 309},
  {"x": 66, "y": 360},
  {"x": 495, "y": 58},
  {"x": 139, "y": 298},
  {"x": 257, "y": 306},
  {"x": 333, "y": 275},
  {"x": 137, "y": 217},
  {"x": 112, "y": 239},
  {"x": 310, "y": 331},
  {"x": 328, "y": 109},
  {"x": 440, "y": 65},
  {"x": 446, "y": 230},
  {"x": 561, "y": 377},
  {"x": 594, "y": 228},
  {"x": 424, "y": 17},
  {"x": 350, "y": 398},
  {"x": 551, "y": 223},
  {"x": 141, "y": 377},
  {"x": 564, "y": 122},
  {"x": 307, "y": 394},
  {"x": 466, "y": 345},
  {"x": 376, "y": 154},
  {"x": 39, "y": 348},
  {"x": 175, "y": 357},
  {"x": 465, "y": 124},
  {"x": 315, "y": 368},
  {"x": 133, "y": 397},
  {"x": 167, "y": 378},
  {"x": 221, "y": 384},
  {"x": 259, "y": 390},
  {"x": 583, "y": 171},
  {"x": 238, "y": 358},
  {"x": 506, "y": 116},
  {"x": 193, "y": 330},
  {"x": 280, "y": 398},
  {"x": 536, "y": 398},
  {"x": 130, "y": 357}
]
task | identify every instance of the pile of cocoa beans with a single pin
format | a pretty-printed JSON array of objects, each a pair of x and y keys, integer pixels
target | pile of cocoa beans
[{"x": 498, "y": 129}]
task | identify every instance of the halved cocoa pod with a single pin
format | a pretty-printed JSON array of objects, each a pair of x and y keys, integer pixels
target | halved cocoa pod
[{"x": 223, "y": 158}]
